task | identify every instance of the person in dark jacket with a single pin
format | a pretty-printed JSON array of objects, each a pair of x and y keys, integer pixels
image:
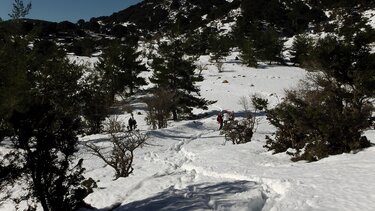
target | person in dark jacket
[{"x": 132, "y": 123}]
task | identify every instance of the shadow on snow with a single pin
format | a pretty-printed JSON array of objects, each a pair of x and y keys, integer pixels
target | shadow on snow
[{"x": 222, "y": 196}]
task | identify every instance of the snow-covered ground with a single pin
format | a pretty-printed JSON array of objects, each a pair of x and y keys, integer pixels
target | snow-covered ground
[{"x": 188, "y": 166}]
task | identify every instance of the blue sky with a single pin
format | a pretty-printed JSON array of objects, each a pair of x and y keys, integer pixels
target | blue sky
[{"x": 71, "y": 10}]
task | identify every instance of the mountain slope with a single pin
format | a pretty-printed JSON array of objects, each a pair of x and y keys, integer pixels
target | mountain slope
[{"x": 154, "y": 15}]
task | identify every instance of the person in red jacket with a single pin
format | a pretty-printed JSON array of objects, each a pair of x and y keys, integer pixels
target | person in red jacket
[{"x": 220, "y": 120}]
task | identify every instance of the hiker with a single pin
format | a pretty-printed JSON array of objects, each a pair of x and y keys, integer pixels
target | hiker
[
  {"x": 132, "y": 123},
  {"x": 220, "y": 120}
]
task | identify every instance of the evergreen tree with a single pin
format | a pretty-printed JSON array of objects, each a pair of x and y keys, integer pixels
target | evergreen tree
[
  {"x": 197, "y": 43},
  {"x": 13, "y": 83},
  {"x": 219, "y": 47},
  {"x": 47, "y": 140},
  {"x": 301, "y": 49},
  {"x": 13, "y": 68},
  {"x": 120, "y": 67},
  {"x": 175, "y": 73},
  {"x": 252, "y": 9},
  {"x": 96, "y": 103},
  {"x": 132, "y": 66},
  {"x": 44, "y": 131},
  {"x": 269, "y": 46},
  {"x": 20, "y": 10},
  {"x": 159, "y": 108},
  {"x": 248, "y": 54},
  {"x": 328, "y": 115}
]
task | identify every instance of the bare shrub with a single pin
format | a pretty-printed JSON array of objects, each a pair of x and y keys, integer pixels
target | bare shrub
[
  {"x": 244, "y": 102},
  {"x": 220, "y": 66},
  {"x": 201, "y": 67},
  {"x": 114, "y": 125},
  {"x": 121, "y": 155}
]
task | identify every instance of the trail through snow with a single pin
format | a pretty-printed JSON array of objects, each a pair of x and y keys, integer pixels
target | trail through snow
[{"x": 187, "y": 167}]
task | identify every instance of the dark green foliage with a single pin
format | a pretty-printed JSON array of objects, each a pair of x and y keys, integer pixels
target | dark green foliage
[
  {"x": 347, "y": 4},
  {"x": 132, "y": 67},
  {"x": 96, "y": 103},
  {"x": 288, "y": 17},
  {"x": 198, "y": 43},
  {"x": 174, "y": 73},
  {"x": 265, "y": 41},
  {"x": 120, "y": 67},
  {"x": 116, "y": 73},
  {"x": 269, "y": 46},
  {"x": 159, "y": 108},
  {"x": 301, "y": 50},
  {"x": 219, "y": 47},
  {"x": 300, "y": 15},
  {"x": 13, "y": 83},
  {"x": 328, "y": 115},
  {"x": 47, "y": 140},
  {"x": 44, "y": 125},
  {"x": 316, "y": 122},
  {"x": 53, "y": 78},
  {"x": 248, "y": 54},
  {"x": 259, "y": 103},
  {"x": 84, "y": 47}
]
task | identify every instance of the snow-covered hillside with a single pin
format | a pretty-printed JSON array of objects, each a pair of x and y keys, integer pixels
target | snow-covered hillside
[{"x": 189, "y": 167}]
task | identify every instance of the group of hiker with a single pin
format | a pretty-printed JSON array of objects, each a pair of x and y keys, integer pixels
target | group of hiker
[{"x": 224, "y": 117}]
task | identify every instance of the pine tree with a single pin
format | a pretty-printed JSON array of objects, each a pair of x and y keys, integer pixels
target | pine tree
[
  {"x": 175, "y": 73},
  {"x": 301, "y": 49},
  {"x": 269, "y": 46},
  {"x": 248, "y": 54},
  {"x": 13, "y": 67},
  {"x": 329, "y": 114},
  {"x": 44, "y": 131},
  {"x": 13, "y": 83},
  {"x": 132, "y": 67},
  {"x": 120, "y": 67},
  {"x": 219, "y": 47},
  {"x": 20, "y": 10},
  {"x": 96, "y": 103}
]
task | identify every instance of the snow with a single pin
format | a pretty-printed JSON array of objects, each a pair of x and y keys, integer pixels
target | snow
[
  {"x": 370, "y": 14},
  {"x": 188, "y": 166}
]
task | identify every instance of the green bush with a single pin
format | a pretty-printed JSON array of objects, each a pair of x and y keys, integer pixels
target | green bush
[{"x": 316, "y": 122}]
